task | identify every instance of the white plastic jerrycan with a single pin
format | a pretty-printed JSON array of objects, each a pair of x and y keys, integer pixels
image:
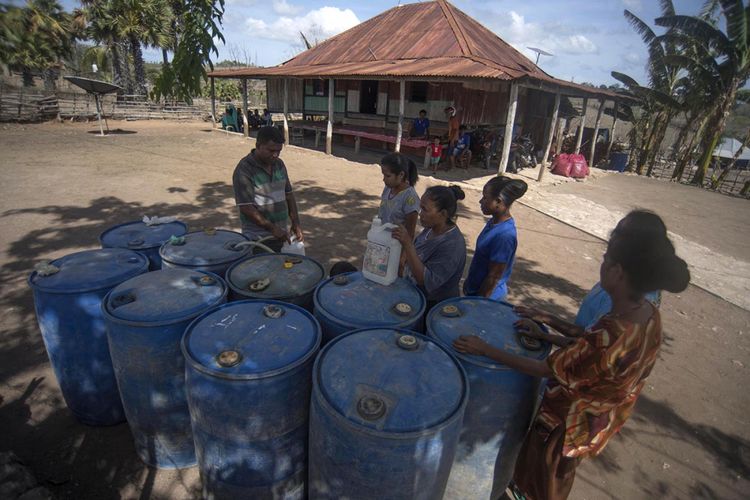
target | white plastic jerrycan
[{"x": 382, "y": 255}]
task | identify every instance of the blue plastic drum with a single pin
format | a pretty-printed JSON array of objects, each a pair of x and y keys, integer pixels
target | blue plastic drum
[
  {"x": 248, "y": 379},
  {"x": 285, "y": 277},
  {"x": 213, "y": 250},
  {"x": 385, "y": 416},
  {"x": 146, "y": 317},
  {"x": 350, "y": 302},
  {"x": 618, "y": 161},
  {"x": 502, "y": 400},
  {"x": 141, "y": 238},
  {"x": 68, "y": 307}
]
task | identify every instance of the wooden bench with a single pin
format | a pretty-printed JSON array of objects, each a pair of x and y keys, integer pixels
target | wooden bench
[{"x": 363, "y": 134}]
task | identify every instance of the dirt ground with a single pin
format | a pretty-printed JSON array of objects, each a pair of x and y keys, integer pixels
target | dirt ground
[{"x": 62, "y": 186}]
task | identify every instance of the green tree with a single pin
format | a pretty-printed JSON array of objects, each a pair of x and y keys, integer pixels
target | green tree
[
  {"x": 722, "y": 61},
  {"x": 98, "y": 20},
  {"x": 660, "y": 98},
  {"x": 198, "y": 27},
  {"x": 143, "y": 22},
  {"x": 35, "y": 38}
]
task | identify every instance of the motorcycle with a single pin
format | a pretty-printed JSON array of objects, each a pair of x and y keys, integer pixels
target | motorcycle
[{"x": 523, "y": 154}]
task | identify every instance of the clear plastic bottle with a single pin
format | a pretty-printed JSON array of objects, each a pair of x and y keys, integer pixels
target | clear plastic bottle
[{"x": 382, "y": 255}]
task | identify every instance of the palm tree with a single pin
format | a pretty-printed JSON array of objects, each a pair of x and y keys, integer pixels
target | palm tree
[
  {"x": 97, "y": 20},
  {"x": 35, "y": 38},
  {"x": 721, "y": 59},
  {"x": 147, "y": 22},
  {"x": 660, "y": 98}
]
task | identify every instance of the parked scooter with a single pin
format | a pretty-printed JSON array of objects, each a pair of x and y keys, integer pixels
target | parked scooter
[{"x": 523, "y": 154}]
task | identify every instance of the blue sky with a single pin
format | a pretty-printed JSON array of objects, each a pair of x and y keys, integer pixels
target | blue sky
[{"x": 588, "y": 38}]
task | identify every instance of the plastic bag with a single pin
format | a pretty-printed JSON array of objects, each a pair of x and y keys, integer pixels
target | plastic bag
[
  {"x": 156, "y": 220},
  {"x": 578, "y": 167},
  {"x": 561, "y": 165},
  {"x": 295, "y": 247}
]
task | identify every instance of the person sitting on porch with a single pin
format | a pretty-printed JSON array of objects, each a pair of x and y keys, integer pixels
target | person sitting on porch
[
  {"x": 267, "y": 119},
  {"x": 461, "y": 150},
  {"x": 254, "y": 119},
  {"x": 421, "y": 125},
  {"x": 229, "y": 119}
]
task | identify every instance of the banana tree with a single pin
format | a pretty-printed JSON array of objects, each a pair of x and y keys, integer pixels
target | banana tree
[{"x": 723, "y": 62}]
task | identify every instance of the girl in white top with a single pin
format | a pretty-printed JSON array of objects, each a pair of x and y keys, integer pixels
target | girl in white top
[{"x": 399, "y": 203}]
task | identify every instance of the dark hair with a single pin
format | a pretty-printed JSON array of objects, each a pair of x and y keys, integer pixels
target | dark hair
[
  {"x": 641, "y": 246},
  {"x": 269, "y": 134},
  {"x": 398, "y": 163},
  {"x": 462, "y": 127},
  {"x": 446, "y": 198},
  {"x": 422, "y": 111},
  {"x": 507, "y": 189},
  {"x": 341, "y": 267},
  {"x": 643, "y": 222}
]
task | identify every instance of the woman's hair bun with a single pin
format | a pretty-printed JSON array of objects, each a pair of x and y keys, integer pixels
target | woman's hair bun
[
  {"x": 676, "y": 277},
  {"x": 457, "y": 192}
]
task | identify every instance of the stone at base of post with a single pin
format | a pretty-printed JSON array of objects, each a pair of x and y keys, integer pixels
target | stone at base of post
[
  {"x": 286, "y": 131},
  {"x": 427, "y": 157},
  {"x": 356, "y": 144},
  {"x": 317, "y": 138}
]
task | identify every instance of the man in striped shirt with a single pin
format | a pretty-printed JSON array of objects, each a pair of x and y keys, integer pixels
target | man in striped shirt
[{"x": 264, "y": 194}]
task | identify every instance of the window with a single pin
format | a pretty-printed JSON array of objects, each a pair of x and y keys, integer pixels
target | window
[
  {"x": 418, "y": 92},
  {"x": 317, "y": 87}
]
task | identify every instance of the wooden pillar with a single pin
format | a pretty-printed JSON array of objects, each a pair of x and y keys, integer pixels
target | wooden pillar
[
  {"x": 244, "y": 108},
  {"x": 561, "y": 127},
  {"x": 596, "y": 132},
  {"x": 213, "y": 101},
  {"x": 286, "y": 110},
  {"x": 357, "y": 143},
  {"x": 581, "y": 126},
  {"x": 400, "y": 129},
  {"x": 329, "y": 129},
  {"x": 612, "y": 131},
  {"x": 509, "y": 121},
  {"x": 552, "y": 130}
]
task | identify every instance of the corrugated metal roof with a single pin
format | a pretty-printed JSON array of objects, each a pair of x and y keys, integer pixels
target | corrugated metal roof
[{"x": 430, "y": 40}]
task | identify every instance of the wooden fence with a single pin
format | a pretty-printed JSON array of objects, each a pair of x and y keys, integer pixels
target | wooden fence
[{"x": 22, "y": 105}]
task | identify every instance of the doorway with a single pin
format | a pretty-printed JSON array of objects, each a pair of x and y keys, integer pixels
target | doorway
[{"x": 368, "y": 97}]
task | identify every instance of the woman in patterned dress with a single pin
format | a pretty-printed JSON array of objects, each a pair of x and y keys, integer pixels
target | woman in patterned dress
[{"x": 594, "y": 379}]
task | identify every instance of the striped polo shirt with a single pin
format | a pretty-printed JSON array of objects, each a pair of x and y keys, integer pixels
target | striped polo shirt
[{"x": 254, "y": 186}]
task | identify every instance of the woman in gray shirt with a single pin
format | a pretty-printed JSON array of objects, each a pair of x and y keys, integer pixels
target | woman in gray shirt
[{"x": 435, "y": 259}]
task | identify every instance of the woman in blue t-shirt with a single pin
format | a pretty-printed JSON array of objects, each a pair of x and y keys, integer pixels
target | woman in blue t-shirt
[{"x": 496, "y": 245}]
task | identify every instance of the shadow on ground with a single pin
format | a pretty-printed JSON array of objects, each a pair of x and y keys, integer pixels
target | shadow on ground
[{"x": 76, "y": 461}]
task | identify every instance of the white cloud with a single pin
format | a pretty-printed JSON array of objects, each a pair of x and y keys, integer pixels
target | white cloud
[
  {"x": 632, "y": 58},
  {"x": 632, "y": 4},
  {"x": 285, "y": 9},
  {"x": 552, "y": 38},
  {"x": 317, "y": 24}
]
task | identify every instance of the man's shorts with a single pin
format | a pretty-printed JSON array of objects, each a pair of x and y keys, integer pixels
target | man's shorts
[{"x": 434, "y": 160}]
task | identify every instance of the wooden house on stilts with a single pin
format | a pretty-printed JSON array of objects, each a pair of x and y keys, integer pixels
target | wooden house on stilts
[{"x": 370, "y": 81}]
